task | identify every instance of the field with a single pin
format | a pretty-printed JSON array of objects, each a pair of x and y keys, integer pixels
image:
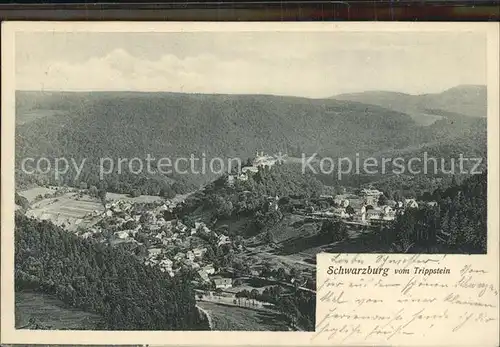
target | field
[
  {"x": 291, "y": 236},
  {"x": 66, "y": 209},
  {"x": 51, "y": 313},
  {"x": 73, "y": 211},
  {"x": 233, "y": 318},
  {"x": 139, "y": 199},
  {"x": 297, "y": 241},
  {"x": 294, "y": 226},
  {"x": 32, "y": 193}
]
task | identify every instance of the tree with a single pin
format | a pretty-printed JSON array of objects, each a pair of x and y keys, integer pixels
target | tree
[
  {"x": 266, "y": 269},
  {"x": 102, "y": 195},
  {"x": 254, "y": 294},
  {"x": 281, "y": 274},
  {"x": 167, "y": 192},
  {"x": 21, "y": 201},
  {"x": 101, "y": 279},
  {"x": 382, "y": 200},
  {"x": 209, "y": 255},
  {"x": 131, "y": 224},
  {"x": 135, "y": 193},
  {"x": 294, "y": 272},
  {"x": 268, "y": 237},
  {"x": 349, "y": 210},
  {"x": 397, "y": 196},
  {"x": 333, "y": 230},
  {"x": 223, "y": 207},
  {"x": 188, "y": 221},
  {"x": 93, "y": 191}
]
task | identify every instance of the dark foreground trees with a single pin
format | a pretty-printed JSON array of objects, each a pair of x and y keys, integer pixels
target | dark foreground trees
[
  {"x": 333, "y": 230},
  {"x": 100, "y": 279},
  {"x": 457, "y": 224}
]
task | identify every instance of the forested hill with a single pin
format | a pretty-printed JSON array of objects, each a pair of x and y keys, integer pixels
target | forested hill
[
  {"x": 458, "y": 224},
  {"x": 132, "y": 124},
  {"x": 97, "y": 278},
  {"x": 464, "y": 100},
  {"x": 128, "y": 125}
]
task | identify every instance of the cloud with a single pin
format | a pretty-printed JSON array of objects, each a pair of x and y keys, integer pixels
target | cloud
[
  {"x": 279, "y": 65},
  {"x": 119, "y": 70}
]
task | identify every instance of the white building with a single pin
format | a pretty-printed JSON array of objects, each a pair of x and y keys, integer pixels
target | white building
[
  {"x": 249, "y": 169},
  {"x": 181, "y": 227},
  {"x": 378, "y": 215},
  {"x": 199, "y": 252},
  {"x": 123, "y": 234},
  {"x": 230, "y": 180},
  {"x": 263, "y": 160},
  {"x": 223, "y": 239},
  {"x": 341, "y": 200},
  {"x": 222, "y": 282},
  {"x": 154, "y": 251},
  {"x": 209, "y": 269},
  {"x": 166, "y": 264},
  {"x": 387, "y": 210},
  {"x": 410, "y": 203},
  {"x": 371, "y": 192},
  {"x": 204, "y": 276},
  {"x": 340, "y": 212}
]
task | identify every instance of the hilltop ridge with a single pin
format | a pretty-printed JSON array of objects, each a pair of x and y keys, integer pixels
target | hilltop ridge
[
  {"x": 462, "y": 100},
  {"x": 95, "y": 125}
]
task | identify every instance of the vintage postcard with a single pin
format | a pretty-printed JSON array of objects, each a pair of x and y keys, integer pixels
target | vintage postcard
[{"x": 250, "y": 183}]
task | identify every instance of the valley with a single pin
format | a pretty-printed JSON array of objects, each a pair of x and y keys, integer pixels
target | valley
[{"x": 233, "y": 250}]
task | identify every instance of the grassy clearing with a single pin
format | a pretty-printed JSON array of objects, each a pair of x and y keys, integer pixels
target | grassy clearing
[
  {"x": 65, "y": 209},
  {"x": 32, "y": 193},
  {"x": 233, "y": 318},
  {"x": 139, "y": 199},
  {"x": 52, "y": 313},
  {"x": 292, "y": 227}
]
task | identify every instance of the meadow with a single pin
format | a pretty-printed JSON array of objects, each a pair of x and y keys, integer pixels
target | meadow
[
  {"x": 51, "y": 313},
  {"x": 234, "y": 318}
]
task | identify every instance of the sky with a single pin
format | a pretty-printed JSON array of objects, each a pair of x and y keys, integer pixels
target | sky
[{"x": 312, "y": 64}]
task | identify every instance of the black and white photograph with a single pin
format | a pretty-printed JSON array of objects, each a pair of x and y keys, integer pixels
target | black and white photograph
[{"x": 186, "y": 180}]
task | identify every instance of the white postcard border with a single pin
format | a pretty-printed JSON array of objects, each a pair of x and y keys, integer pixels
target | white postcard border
[{"x": 10, "y": 335}]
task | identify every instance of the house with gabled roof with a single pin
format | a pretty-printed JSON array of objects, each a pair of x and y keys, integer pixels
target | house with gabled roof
[
  {"x": 222, "y": 282},
  {"x": 410, "y": 203}
]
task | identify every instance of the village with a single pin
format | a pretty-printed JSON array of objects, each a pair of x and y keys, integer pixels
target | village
[
  {"x": 367, "y": 206},
  {"x": 151, "y": 230},
  {"x": 160, "y": 241},
  {"x": 224, "y": 269}
]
